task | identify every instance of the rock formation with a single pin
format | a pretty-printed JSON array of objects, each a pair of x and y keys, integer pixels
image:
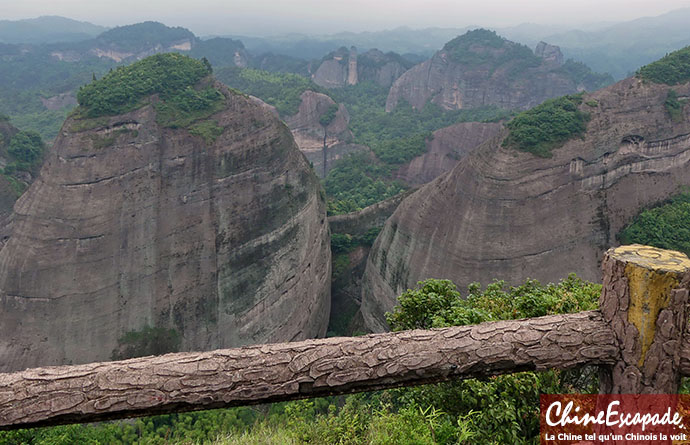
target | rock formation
[
  {"x": 444, "y": 149},
  {"x": 311, "y": 135},
  {"x": 135, "y": 230},
  {"x": 507, "y": 214},
  {"x": 345, "y": 67},
  {"x": 550, "y": 53},
  {"x": 480, "y": 68}
]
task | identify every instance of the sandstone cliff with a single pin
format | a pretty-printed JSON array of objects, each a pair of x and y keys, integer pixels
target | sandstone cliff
[
  {"x": 444, "y": 149},
  {"x": 345, "y": 67},
  {"x": 311, "y": 135},
  {"x": 480, "y": 68},
  {"x": 507, "y": 214},
  {"x": 134, "y": 229}
]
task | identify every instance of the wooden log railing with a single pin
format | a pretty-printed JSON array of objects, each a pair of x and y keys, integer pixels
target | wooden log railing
[{"x": 637, "y": 339}]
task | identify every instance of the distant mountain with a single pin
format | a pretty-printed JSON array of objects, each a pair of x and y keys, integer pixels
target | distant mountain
[
  {"x": 622, "y": 48},
  {"x": 481, "y": 68},
  {"x": 401, "y": 40},
  {"x": 347, "y": 67},
  {"x": 47, "y": 29},
  {"x": 615, "y": 48},
  {"x": 134, "y": 42}
]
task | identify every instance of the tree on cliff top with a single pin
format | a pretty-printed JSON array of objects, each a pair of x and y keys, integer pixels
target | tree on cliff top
[{"x": 123, "y": 89}]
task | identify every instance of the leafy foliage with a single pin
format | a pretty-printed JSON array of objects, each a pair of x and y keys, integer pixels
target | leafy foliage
[
  {"x": 209, "y": 130},
  {"x": 666, "y": 226},
  {"x": 484, "y": 47},
  {"x": 282, "y": 90},
  {"x": 546, "y": 126},
  {"x": 671, "y": 69},
  {"x": 395, "y": 138},
  {"x": 47, "y": 123},
  {"x": 170, "y": 75},
  {"x": 499, "y": 410},
  {"x": 188, "y": 106},
  {"x": 343, "y": 242},
  {"x": 674, "y": 106},
  {"x": 581, "y": 74},
  {"x": 357, "y": 182},
  {"x": 26, "y": 152},
  {"x": 328, "y": 115},
  {"x": 505, "y": 409}
]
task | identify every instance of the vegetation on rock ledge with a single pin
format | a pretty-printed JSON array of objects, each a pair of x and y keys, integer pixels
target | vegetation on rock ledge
[
  {"x": 170, "y": 75},
  {"x": 546, "y": 126},
  {"x": 665, "y": 226},
  {"x": 672, "y": 69}
]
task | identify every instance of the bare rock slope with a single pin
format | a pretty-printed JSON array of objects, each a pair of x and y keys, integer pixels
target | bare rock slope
[
  {"x": 444, "y": 149},
  {"x": 133, "y": 229},
  {"x": 508, "y": 214}
]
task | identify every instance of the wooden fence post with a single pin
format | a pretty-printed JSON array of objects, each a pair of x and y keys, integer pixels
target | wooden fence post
[{"x": 644, "y": 300}]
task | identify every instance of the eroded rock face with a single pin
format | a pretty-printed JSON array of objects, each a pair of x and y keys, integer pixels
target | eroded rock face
[
  {"x": 499, "y": 78},
  {"x": 445, "y": 148},
  {"x": 132, "y": 225},
  {"x": 550, "y": 53},
  {"x": 345, "y": 67},
  {"x": 506, "y": 214},
  {"x": 311, "y": 135}
]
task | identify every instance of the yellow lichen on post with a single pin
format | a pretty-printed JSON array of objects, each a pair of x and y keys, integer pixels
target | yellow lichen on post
[
  {"x": 644, "y": 298},
  {"x": 652, "y": 274},
  {"x": 650, "y": 292}
]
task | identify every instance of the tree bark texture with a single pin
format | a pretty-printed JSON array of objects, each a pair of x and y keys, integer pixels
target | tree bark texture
[
  {"x": 285, "y": 371},
  {"x": 644, "y": 301}
]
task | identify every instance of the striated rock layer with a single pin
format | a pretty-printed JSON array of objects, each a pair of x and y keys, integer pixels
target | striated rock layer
[
  {"x": 506, "y": 214},
  {"x": 132, "y": 225},
  {"x": 444, "y": 149}
]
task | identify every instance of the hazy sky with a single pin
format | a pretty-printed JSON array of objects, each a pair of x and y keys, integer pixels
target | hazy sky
[{"x": 269, "y": 17}]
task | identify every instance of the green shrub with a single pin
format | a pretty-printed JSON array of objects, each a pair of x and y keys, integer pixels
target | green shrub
[
  {"x": 357, "y": 182},
  {"x": 503, "y": 409},
  {"x": 328, "y": 115},
  {"x": 26, "y": 146},
  {"x": 665, "y": 226},
  {"x": 170, "y": 75},
  {"x": 470, "y": 49},
  {"x": 547, "y": 126},
  {"x": 671, "y": 69},
  {"x": 674, "y": 106},
  {"x": 282, "y": 90},
  {"x": 209, "y": 130},
  {"x": 581, "y": 74}
]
